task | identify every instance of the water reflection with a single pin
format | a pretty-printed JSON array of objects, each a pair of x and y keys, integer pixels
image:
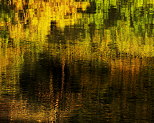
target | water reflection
[
  {"x": 56, "y": 80},
  {"x": 76, "y": 61},
  {"x": 69, "y": 35}
]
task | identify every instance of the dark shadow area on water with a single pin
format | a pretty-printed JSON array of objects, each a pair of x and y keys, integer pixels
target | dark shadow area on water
[{"x": 37, "y": 76}]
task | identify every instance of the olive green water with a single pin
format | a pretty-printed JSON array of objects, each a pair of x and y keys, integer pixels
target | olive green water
[{"x": 83, "y": 61}]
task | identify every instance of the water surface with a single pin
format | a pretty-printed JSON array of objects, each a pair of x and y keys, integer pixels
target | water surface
[{"x": 73, "y": 61}]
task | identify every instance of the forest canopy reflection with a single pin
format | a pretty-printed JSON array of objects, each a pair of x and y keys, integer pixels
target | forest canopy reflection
[{"x": 76, "y": 60}]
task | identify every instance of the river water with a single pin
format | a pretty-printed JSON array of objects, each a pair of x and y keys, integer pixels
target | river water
[{"x": 76, "y": 61}]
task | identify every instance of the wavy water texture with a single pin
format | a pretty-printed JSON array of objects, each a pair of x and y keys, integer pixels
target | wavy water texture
[{"x": 76, "y": 61}]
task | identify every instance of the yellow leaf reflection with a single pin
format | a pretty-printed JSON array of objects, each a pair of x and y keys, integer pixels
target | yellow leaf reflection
[{"x": 33, "y": 23}]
